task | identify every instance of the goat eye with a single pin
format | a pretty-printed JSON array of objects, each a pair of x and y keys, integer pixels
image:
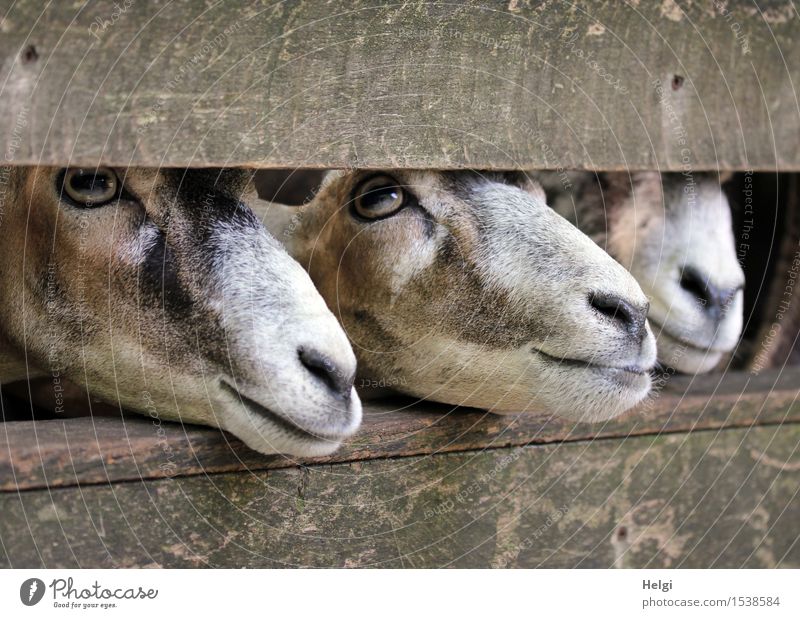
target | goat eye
[
  {"x": 378, "y": 197},
  {"x": 91, "y": 187}
]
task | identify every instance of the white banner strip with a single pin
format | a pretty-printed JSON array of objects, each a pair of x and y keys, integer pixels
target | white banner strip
[{"x": 376, "y": 594}]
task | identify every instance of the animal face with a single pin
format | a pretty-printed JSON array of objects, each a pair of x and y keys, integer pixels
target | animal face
[
  {"x": 674, "y": 234},
  {"x": 466, "y": 288},
  {"x": 161, "y": 290}
]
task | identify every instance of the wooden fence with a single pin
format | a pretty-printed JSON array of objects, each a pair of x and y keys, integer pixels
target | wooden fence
[{"x": 705, "y": 474}]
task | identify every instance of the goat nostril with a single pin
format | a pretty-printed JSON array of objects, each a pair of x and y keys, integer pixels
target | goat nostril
[
  {"x": 713, "y": 300},
  {"x": 631, "y": 318},
  {"x": 694, "y": 283},
  {"x": 321, "y": 366}
]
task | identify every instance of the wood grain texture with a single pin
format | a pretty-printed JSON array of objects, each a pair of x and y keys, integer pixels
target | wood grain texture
[
  {"x": 483, "y": 84},
  {"x": 104, "y": 450},
  {"x": 708, "y": 499}
]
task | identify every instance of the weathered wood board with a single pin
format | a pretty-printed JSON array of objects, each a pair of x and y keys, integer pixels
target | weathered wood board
[
  {"x": 483, "y": 84},
  {"x": 708, "y": 499},
  {"x": 102, "y": 450}
]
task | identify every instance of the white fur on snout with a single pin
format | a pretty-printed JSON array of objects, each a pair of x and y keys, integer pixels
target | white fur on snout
[{"x": 270, "y": 310}]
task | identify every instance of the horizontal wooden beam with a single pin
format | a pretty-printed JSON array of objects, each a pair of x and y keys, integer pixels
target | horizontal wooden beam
[
  {"x": 707, "y": 499},
  {"x": 482, "y": 84},
  {"x": 104, "y": 450}
]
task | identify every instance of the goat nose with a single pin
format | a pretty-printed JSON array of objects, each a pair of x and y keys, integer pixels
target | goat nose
[
  {"x": 631, "y": 318},
  {"x": 338, "y": 381},
  {"x": 713, "y": 299}
]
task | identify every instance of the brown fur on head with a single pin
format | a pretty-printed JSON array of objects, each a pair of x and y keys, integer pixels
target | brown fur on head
[
  {"x": 472, "y": 292},
  {"x": 674, "y": 233},
  {"x": 169, "y": 298}
]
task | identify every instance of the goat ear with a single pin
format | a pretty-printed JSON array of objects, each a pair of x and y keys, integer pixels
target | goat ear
[
  {"x": 531, "y": 185},
  {"x": 618, "y": 182},
  {"x": 233, "y": 181},
  {"x": 250, "y": 193},
  {"x": 725, "y": 177},
  {"x": 292, "y": 187},
  {"x": 283, "y": 222}
]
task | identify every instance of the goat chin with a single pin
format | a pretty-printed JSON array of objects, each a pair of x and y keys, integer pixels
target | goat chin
[{"x": 597, "y": 394}]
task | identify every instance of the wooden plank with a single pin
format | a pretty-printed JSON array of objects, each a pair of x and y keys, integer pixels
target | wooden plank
[
  {"x": 483, "y": 84},
  {"x": 707, "y": 499},
  {"x": 103, "y": 450}
]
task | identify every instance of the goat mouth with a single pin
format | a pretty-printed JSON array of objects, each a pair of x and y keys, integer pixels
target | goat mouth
[
  {"x": 629, "y": 370},
  {"x": 259, "y": 411},
  {"x": 683, "y": 341}
]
